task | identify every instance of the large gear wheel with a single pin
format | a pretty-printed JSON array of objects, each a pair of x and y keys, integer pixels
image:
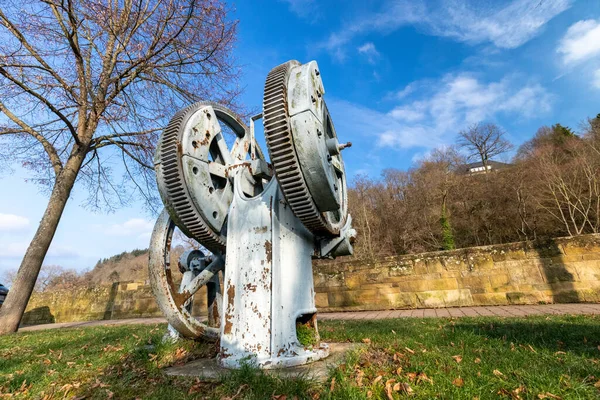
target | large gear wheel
[
  {"x": 191, "y": 163},
  {"x": 313, "y": 184}
]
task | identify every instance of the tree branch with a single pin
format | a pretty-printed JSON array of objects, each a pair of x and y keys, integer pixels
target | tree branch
[{"x": 50, "y": 150}]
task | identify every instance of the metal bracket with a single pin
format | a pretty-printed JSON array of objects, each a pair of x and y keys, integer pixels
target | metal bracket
[{"x": 337, "y": 246}]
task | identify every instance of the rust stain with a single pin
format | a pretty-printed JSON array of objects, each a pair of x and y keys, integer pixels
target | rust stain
[
  {"x": 228, "y": 324},
  {"x": 230, "y": 305},
  {"x": 215, "y": 315},
  {"x": 251, "y": 287},
  {"x": 230, "y": 296},
  {"x": 262, "y": 229},
  {"x": 269, "y": 250},
  {"x": 206, "y": 139}
]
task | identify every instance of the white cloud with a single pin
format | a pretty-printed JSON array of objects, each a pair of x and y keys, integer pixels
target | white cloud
[
  {"x": 581, "y": 42},
  {"x": 13, "y": 249},
  {"x": 16, "y": 250},
  {"x": 11, "y": 222},
  {"x": 60, "y": 251},
  {"x": 504, "y": 25},
  {"x": 507, "y": 27},
  {"x": 449, "y": 105},
  {"x": 368, "y": 50},
  {"x": 131, "y": 227},
  {"x": 597, "y": 78},
  {"x": 303, "y": 8},
  {"x": 408, "y": 89}
]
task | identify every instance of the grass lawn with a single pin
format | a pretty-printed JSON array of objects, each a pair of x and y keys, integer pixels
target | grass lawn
[{"x": 534, "y": 357}]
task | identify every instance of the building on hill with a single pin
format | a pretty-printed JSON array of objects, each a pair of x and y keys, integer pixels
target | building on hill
[{"x": 478, "y": 167}]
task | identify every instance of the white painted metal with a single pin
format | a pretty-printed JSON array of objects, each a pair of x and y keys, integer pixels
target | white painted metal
[
  {"x": 266, "y": 239},
  {"x": 268, "y": 283}
]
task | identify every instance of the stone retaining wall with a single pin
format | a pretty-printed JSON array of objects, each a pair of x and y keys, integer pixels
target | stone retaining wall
[
  {"x": 121, "y": 300},
  {"x": 562, "y": 270}
]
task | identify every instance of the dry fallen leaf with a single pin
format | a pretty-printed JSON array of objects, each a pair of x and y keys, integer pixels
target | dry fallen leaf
[
  {"x": 399, "y": 371},
  {"x": 405, "y": 387},
  {"x": 388, "y": 389},
  {"x": 359, "y": 377},
  {"x": 278, "y": 397},
  {"x": 458, "y": 382},
  {"x": 366, "y": 340},
  {"x": 409, "y": 350},
  {"x": 498, "y": 373},
  {"x": 548, "y": 395},
  {"x": 515, "y": 392},
  {"x": 376, "y": 379},
  {"x": 597, "y": 385},
  {"x": 477, "y": 360},
  {"x": 235, "y": 396},
  {"x": 332, "y": 386},
  {"x": 422, "y": 377},
  {"x": 457, "y": 358},
  {"x": 411, "y": 376},
  {"x": 531, "y": 348},
  {"x": 369, "y": 394}
]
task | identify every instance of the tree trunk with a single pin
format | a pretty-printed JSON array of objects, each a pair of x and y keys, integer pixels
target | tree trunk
[{"x": 14, "y": 306}]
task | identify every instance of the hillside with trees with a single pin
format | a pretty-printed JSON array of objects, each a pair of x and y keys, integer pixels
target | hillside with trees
[{"x": 551, "y": 189}]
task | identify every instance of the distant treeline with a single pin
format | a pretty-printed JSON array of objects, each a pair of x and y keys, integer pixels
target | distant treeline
[
  {"x": 116, "y": 258},
  {"x": 551, "y": 188}
]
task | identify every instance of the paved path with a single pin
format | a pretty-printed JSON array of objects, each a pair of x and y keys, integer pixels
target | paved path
[{"x": 456, "y": 312}]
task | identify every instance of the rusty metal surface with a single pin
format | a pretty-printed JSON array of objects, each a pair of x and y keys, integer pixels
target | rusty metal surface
[
  {"x": 270, "y": 219},
  {"x": 191, "y": 161},
  {"x": 288, "y": 144},
  {"x": 268, "y": 283},
  {"x": 171, "y": 301}
]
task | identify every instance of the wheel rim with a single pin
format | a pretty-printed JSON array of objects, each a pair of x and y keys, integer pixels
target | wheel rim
[{"x": 173, "y": 302}]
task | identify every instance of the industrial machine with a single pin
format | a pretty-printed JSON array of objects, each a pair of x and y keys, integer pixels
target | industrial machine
[{"x": 261, "y": 222}]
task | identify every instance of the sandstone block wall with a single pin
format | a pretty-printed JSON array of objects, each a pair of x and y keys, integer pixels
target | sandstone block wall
[
  {"x": 561, "y": 270},
  {"x": 119, "y": 301}
]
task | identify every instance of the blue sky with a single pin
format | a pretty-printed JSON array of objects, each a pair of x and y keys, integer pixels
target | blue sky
[{"x": 401, "y": 77}]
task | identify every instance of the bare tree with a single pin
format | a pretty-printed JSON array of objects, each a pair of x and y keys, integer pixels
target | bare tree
[
  {"x": 569, "y": 186},
  {"x": 484, "y": 141},
  {"x": 49, "y": 277},
  {"x": 85, "y": 84}
]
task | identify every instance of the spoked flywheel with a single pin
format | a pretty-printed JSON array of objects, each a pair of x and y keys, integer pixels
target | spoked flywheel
[{"x": 176, "y": 301}]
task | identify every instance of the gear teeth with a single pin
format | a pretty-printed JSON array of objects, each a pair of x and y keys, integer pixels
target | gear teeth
[
  {"x": 180, "y": 206},
  {"x": 283, "y": 153}
]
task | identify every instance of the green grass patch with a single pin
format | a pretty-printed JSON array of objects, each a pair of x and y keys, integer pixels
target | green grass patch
[{"x": 485, "y": 358}]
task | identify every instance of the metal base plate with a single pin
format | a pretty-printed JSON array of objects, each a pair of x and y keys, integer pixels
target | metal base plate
[{"x": 208, "y": 369}]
